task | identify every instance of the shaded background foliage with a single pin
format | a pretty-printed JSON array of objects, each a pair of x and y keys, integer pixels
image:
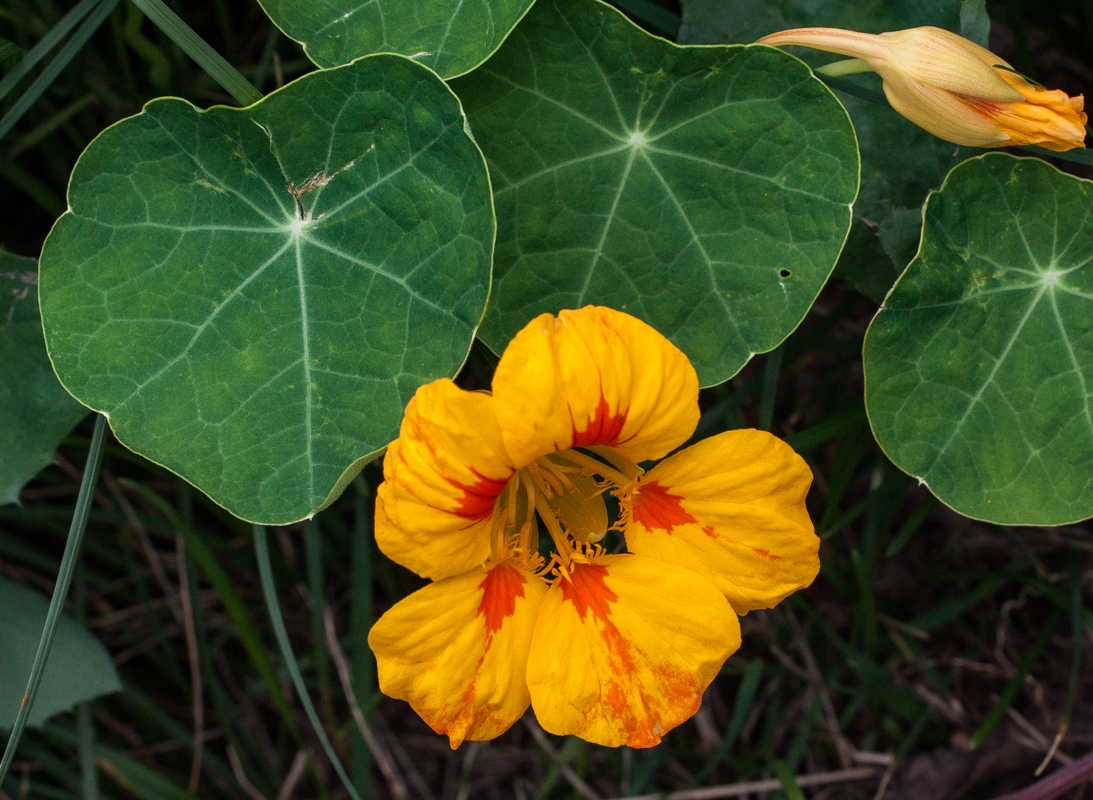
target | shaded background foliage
[{"x": 927, "y": 633}]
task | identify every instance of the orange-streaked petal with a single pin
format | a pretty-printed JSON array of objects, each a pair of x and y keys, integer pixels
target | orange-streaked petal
[
  {"x": 457, "y": 650},
  {"x": 731, "y": 508},
  {"x": 594, "y": 377},
  {"x": 442, "y": 477},
  {"x": 624, "y": 649}
]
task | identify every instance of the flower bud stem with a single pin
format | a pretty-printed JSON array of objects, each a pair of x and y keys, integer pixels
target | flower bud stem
[{"x": 848, "y": 66}]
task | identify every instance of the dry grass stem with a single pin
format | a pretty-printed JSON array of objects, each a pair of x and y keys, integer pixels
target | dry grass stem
[{"x": 383, "y": 758}]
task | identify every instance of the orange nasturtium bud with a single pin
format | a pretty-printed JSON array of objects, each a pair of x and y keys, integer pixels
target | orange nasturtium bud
[{"x": 954, "y": 88}]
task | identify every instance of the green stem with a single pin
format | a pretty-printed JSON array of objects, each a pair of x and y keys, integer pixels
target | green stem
[
  {"x": 772, "y": 371},
  {"x": 200, "y": 51},
  {"x": 60, "y": 590},
  {"x": 269, "y": 591},
  {"x": 313, "y": 555},
  {"x": 48, "y": 42},
  {"x": 849, "y": 66}
]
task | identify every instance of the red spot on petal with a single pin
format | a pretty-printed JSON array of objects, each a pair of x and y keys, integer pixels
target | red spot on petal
[
  {"x": 587, "y": 590},
  {"x": 709, "y": 531},
  {"x": 478, "y": 498},
  {"x": 500, "y": 589},
  {"x": 642, "y": 712},
  {"x": 603, "y": 427},
  {"x": 655, "y": 508}
]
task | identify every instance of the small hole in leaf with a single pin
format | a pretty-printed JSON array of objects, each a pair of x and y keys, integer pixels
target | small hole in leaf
[{"x": 785, "y": 273}]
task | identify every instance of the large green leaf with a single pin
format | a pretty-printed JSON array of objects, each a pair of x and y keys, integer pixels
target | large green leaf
[
  {"x": 901, "y": 162},
  {"x": 253, "y": 295},
  {"x": 979, "y": 368},
  {"x": 705, "y": 190},
  {"x": 36, "y": 413},
  {"x": 450, "y": 36},
  {"x": 79, "y": 668}
]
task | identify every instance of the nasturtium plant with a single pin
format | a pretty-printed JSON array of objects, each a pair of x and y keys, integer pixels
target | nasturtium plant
[
  {"x": 706, "y": 190},
  {"x": 450, "y": 36},
  {"x": 901, "y": 163},
  {"x": 252, "y": 295},
  {"x": 36, "y": 412},
  {"x": 79, "y": 667},
  {"x": 979, "y": 367}
]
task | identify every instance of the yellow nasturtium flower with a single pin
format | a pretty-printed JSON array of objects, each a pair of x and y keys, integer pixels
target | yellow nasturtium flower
[
  {"x": 954, "y": 88},
  {"x": 615, "y": 648}
]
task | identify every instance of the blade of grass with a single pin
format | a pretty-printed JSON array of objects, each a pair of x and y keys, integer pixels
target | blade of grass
[
  {"x": 33, "y": 137},
  {"x": 772, "y": 370},
  {"x": 789, "y": 781},
  {"x": 269, "y": 591},
  {"x": 950, "y": 610},
  {"x": 865, "y": 615},
  {"x": 745, "y": 695},
  {"x": 8, "y": 49},
  {"x": 85, "y": 726},
  {"x": 844, "y": 465},
  {"x": 1010, "y": 691},
  {"x": 200, "y": 51},
  {"x": 56, "y": 66},
  {"x": 313, "y": 557},
  {"x": 89, "y": 773},
  {"x": 827, "y": 430},
  {"x": 159, "y": 67},
  {"x": 60, "y": 591},
  {"x": 1075, "y": 657},
  {"x": 914, "y": 522},
  {"x": 47, "y": 43},
  {"x": 237, "y": 611}
]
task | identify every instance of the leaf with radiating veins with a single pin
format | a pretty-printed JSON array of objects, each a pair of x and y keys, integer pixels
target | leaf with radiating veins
[
  {"x": 450, "y": 36},
  {"x": 901, "y": 162},
  {"x": 253, "y": 295},
  {"x": 706, "y": 190},
  {"x": 979, "y": 367}
]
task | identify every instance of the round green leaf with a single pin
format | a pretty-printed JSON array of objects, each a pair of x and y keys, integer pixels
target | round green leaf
[
  {"x": 79, "y": 668},
  {"x": 36, "y": 412},
  {"x": 253, "y": 295},
  {"x": 706, "y": 190},
  {"x": 979, "y": 367},
  {"x": 450, "y": 36},
  {"x": 895, "y": 179}
]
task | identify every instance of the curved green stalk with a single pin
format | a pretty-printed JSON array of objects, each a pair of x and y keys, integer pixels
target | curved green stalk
[
  {"x": 57, "y": 65},
  {"x": 269, "y": 591},
  {"x": 200, "y": 51},
  {"x": 60, "y": 591},
  {"x": 48, "y": 42}
]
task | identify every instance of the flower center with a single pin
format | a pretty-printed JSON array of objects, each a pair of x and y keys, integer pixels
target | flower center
[{"x": 564, "y": 491}]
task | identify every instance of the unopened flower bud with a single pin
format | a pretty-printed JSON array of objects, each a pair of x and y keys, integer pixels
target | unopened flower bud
[{"x": 954, "y": 88}]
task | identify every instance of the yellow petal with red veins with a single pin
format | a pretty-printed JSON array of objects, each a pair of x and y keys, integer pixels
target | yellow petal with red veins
[
  {"x": 624, "y": 649},
  {"x": 594, "y": 377},
  {"x": 731, "y": 508},
  {"x": 442, "y": 477},
  {"x": 457, "y": 651}
]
